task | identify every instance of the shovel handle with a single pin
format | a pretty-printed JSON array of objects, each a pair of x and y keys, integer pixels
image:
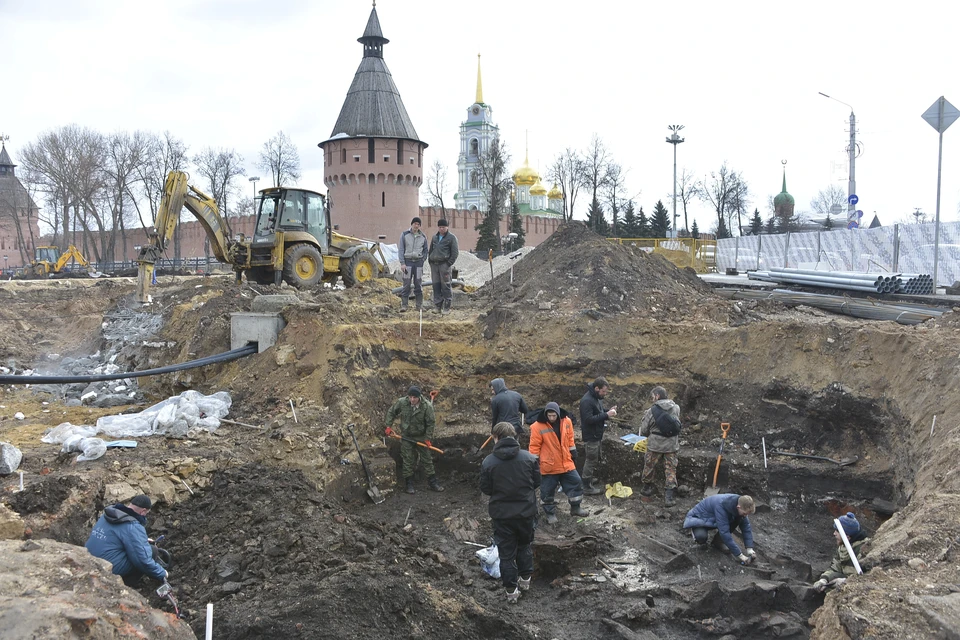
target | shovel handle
[
  {"x": 724, "y": 428},
  {"x": 485, "y": 443},
  {"x": 419, "y": 444}
]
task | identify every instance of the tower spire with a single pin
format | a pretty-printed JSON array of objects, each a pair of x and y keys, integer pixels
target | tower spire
[
  {"x": 526, "y": 150},
  {"x": 784, "y": 162},
  {"x": 479, "y": 83}
]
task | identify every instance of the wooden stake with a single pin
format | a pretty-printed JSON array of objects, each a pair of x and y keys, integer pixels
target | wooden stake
[{"x": 240, "y": 424}]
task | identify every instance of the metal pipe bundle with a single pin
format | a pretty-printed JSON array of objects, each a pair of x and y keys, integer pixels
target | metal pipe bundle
[
  {"x": 877, "y": 285},
  {"x": 908, "y": 314}
]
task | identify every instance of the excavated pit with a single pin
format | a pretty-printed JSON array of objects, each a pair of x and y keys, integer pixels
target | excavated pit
[{"x": 275, "y": 528}]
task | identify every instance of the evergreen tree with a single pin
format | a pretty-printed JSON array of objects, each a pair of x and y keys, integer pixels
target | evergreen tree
[
  {"x": 695, "y": 231},
  {"x": 516, "y": 226},
  {"x": 756, "y": 223},
  {"x": 595, "y": 219},
  {"x": 660, "y": 221},
  {"x": 771, "y": 225},
  {"x": 488, "y": 238},
  {"x": 722, "y": 230},
  {"x": 643, "y": 225},
  {"x": 629, "y": 225},
  {"x": 496, "y": 183},
  {"x": 828, "y": 223}
]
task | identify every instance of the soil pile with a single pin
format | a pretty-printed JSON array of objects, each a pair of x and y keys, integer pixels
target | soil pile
[{"x": 582, "y": 270}]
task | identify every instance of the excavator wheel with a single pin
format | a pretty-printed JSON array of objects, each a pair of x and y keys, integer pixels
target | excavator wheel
[
  {"x": 360, "y": 267},
  {"x": 302, "y": 265}
]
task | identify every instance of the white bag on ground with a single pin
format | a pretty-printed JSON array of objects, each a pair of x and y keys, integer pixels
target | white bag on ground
[
  {"x": 490, "y": 560},
  {"x": 63, "y": 431},
  {"x": 91, "y": 448},
  {"x": 173, "y": 417},
  {"x": 10, "y": 458}
]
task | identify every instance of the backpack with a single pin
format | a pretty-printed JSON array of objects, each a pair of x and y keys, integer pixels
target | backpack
[{"x": 667, "y": 424}]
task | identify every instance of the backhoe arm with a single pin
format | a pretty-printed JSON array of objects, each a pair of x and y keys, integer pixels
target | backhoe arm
[
  {"x": 177, "y": 194},
  {"x": 71, "y": 252}
]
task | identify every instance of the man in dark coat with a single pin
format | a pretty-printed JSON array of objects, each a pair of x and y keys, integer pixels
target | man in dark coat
[
  {"x": 506, "y": 405},
  {"x": 593, "y": 421},
  {"x": 725, "y": 512},
  {"x": 444, "y": 250},
  {"x": 660, "y": 446},
  {"x": 120, "y": 537},
  {"x": 511, "y": 477}
]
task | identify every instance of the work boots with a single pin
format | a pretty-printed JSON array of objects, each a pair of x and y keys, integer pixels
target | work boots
[
  {"x": 513, "y": 596},
  {"x": 551, "y": 518},
  {"x": 668, "y": 499},
  {"x": 410, "y": 488},
  {"x": 434, "y": 484},
  {"x": 646, "y": 493},
  {"x": 577, "y": 511},
  {"x": 591, "y": 489},
  {"x": 524, "y": 583},
  {"x": 403, "y": 307}
]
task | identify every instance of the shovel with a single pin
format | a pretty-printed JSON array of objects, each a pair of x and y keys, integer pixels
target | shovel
[
  {"x": 842, "y": 462},
  {"x": 713, "y": 490},
  {"x": 372, "y": 489},
  {"x": 416, "y": 442}
]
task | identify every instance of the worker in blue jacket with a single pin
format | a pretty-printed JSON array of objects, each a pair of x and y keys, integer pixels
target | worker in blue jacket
[
  {"x": 725, "y": 512},
  {"x": 120, "y": 537}
]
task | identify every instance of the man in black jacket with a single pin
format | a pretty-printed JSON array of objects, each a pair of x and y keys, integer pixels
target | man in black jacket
[
  {"x": 511, "y": 476},
  {"x": 506, "y": 405},
  {"x": 593, "y": 420},
  {"x": 443, "y": 253}
]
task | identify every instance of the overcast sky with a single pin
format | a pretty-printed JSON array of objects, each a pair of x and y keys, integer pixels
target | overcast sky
[{"x": 743, "y": 81}]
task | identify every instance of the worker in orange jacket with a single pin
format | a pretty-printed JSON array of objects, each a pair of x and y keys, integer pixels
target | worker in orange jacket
[{"x": 551, "y": 440}]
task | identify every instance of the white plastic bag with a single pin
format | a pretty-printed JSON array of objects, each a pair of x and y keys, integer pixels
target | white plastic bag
[
  {"x": 490, "y": 560},
  {"x": 65, "y": 430},
  {"x": 92, "y": 449}
]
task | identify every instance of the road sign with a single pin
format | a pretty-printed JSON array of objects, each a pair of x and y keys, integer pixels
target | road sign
[
  {"x": 859, "y": 213},
  {"x": 853, "y": 199},
  {"x": 852, "y": 224},
  {"x": 941, "y": 114}
]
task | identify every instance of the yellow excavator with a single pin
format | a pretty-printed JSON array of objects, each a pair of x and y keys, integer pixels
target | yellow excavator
[
  {"x": 293, "y": 240},
  {"x": 48, "y": 261}
]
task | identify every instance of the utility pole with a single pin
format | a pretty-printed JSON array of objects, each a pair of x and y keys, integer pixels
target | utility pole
[
  {"x": 852, "y": 154},
  {"x": 675, "y": 139}
]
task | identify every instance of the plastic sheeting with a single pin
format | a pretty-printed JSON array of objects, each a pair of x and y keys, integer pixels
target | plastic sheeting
[{"x": 175, "y": 417}]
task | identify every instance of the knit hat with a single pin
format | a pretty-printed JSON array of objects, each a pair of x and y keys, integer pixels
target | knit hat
[
  {"x": 849, "y": 524},
  {"x": 414, "y": 391},
  {"x": 141, "y": 501},
  {"x": 552, "y": 406},
  {"x": 416, "y": 219},
  {"x": 442, "y": 222}
]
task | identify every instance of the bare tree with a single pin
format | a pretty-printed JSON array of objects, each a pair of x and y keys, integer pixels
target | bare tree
[
  {"x": 279, "y": 157},
  {"x": 220, "y": 167},
  {"x": 126, "y": 155},
  {"x": 716, "y": 191},
  {"x": 164, "y": 153},
  {"x": 596, "y": 163},
  {"x": 738, "y": 201},
  {"x": 686, "y": 192},
  {"x": 567, "y": 170},
  {"x": 70, "y": 161},
  {"x": 437, "y": 185},
  {"x": 614, "y": 195},
  {"x": 829, "y": 201}
]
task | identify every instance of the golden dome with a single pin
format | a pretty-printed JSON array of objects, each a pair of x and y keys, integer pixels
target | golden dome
[
  {"x": 538, "y": 189},
  {"x": 555, "y": 193},
  {"x": 525, "y": 175}
]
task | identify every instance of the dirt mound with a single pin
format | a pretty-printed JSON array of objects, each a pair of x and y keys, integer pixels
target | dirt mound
[{"x": 582, "y": 270}]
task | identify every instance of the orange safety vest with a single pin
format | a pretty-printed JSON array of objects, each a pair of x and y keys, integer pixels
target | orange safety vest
[{"x": 554, "y": 456}]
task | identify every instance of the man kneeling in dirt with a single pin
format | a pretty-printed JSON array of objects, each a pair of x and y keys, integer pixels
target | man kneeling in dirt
[
  {"x": 841, "y": 567},
  {"x": 417, "y": 422},
  {"x": 120, "y": 537},
  {"x": 551, "y": 440},
  {"x": 510, "y": 476},
  {"x": 725, "y": 512}
]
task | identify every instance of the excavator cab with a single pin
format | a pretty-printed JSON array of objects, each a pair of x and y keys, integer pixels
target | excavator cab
[{"x": 46, "y": 254}]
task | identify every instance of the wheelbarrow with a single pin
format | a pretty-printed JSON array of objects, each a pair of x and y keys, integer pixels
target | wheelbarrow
[{"x": 843, "y": 462}]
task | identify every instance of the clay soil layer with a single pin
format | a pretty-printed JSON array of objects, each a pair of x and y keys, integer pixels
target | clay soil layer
[{"x": 273, "y": 525}]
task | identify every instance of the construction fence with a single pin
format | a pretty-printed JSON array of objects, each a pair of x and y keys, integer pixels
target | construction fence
[
  {"x": 902, "y": 248},
  {"x": 683, "y": 252}
]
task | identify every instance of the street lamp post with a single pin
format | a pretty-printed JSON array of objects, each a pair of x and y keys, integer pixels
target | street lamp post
[
  {"x": 254, "y": 179},
  {"x": 852, "y": 155},
  {"x": 675, "y": 139}
]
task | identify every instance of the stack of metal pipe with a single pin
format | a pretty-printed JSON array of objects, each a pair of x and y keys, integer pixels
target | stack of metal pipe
[
  {"x": 858, "y": 308},
  {"x": 849, "y": 280}
]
